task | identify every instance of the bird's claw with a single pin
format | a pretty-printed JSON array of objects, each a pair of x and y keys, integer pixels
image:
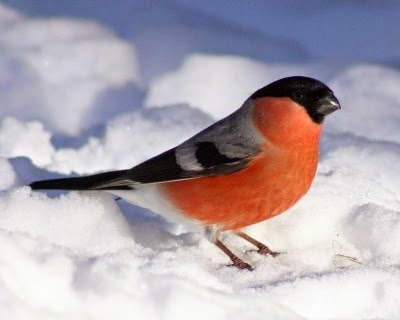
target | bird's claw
[
  {"x": 265, "y": 252},
  {"x": 240, "y": 264}
]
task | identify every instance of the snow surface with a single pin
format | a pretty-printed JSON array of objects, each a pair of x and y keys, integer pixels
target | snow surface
[{"x": 94, "y": 86}]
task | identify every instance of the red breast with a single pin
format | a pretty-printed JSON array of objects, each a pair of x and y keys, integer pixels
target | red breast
[{"x": 273, "y": 181}]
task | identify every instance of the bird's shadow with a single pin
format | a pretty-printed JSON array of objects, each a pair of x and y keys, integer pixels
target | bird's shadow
[{"x": 152, "y": 231}]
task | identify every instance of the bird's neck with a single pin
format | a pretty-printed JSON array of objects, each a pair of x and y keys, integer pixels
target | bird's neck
[{"x": 286, "y": 125}]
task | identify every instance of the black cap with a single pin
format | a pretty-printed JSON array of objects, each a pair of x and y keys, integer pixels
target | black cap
[{"x": 316, "y": 97}]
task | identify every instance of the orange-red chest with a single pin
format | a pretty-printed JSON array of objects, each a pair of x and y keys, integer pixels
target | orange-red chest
[{"x": 275, "y": 180}]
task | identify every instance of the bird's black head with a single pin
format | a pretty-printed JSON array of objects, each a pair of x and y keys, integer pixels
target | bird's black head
[{"x": 313, "y": 95}]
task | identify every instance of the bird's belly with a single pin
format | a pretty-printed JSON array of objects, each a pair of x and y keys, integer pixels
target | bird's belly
[
  {"x": 149, "y": 196},
  {"x": 251, "y": 195}
]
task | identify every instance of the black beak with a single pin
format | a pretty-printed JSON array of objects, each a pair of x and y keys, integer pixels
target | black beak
[{"x": 327, "y": 105}]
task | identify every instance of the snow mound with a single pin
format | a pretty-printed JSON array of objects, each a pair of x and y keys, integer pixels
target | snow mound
[
  {"x": 27, "y": 139},
  {"x": 7, "y": 174},
  {"x": 370, "y": 94},
  {"x": 61, "y": 64},
  {"x": 64, "y": 221},
  {"x": 367, "y": 229},
  {"x": 220, "y": 84},
  {"x": 123, "y": 143}
]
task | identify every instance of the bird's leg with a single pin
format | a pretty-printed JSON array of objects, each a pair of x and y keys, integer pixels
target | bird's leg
[
  {"x": 262, "y": 248},
  {"x": 237, "y": 262}
]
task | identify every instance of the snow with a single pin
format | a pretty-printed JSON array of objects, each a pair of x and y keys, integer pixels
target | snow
[
  {"x": 28, "y": 139},
  {"x": 221, "y": 74},
  {"x": 8, "y": 177},
  {"x": 65, "y": 64},
  {"x": 86, "y": 91}
]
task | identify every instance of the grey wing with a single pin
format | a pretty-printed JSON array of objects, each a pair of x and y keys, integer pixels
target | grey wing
[
  {"x": 204, "y": 159},
  {"x": 223, "y": 148}
]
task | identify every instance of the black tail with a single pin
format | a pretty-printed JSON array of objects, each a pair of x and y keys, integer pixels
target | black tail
[{"x": 81, "y": 183}]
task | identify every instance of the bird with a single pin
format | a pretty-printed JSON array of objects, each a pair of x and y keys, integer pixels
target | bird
[{"x": 248, "y": 167}]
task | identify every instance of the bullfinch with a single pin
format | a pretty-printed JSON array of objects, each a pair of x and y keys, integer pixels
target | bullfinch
[{"x": 248, "y": 167}]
